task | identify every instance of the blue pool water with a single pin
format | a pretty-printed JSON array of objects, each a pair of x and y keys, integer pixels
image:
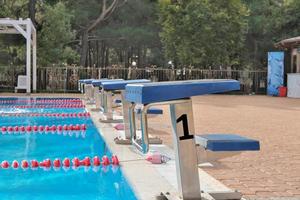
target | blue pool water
[{"x": 82, "y": 184}]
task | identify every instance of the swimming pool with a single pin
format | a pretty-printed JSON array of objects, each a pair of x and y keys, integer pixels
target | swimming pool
[{"x": 81, "y": 183}]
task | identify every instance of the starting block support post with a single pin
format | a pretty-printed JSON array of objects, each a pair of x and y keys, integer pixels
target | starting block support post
[
  {"x": 185, "y": 150},
  {"x": 125, "y": 110},
  {"x": 184, "y": 144},
  {"x": 107, "y": 104}
]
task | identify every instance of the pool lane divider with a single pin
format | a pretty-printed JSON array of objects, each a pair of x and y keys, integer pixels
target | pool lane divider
[
  {"x": 65, "y": 163},
  {"x": 41, "y": 101},
  {"x": 79, "y": 105},
  {"x": 57, "y": 115},
  {"x": 42, "y": 129}
]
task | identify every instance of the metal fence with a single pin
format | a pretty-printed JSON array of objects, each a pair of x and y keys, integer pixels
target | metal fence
[{"x": 64, "y": 79}]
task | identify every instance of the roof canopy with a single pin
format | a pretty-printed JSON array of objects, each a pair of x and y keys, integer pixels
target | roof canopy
[
  {"x": 27, "y": 29},
  {"x": 288, "y": 43}
]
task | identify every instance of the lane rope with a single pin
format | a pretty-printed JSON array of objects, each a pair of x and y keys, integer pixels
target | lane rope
[
  {"x": 78, "y": 105},
  {"x": 65, "y": 163},
  {"x": 41, "y": 128},
  {"x": 57, "y": 115}
]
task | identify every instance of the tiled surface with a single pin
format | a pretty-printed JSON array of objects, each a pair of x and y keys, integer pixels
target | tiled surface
[{"x": 268, "y": 174}]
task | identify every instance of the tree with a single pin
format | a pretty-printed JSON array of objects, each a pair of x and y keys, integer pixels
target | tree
[
  {"x": 264, "y": 22},
  {"x": 206, "y": 33},
  {"x": 89, "y": 21},
  {"x": 55, "y": 34},
  {"x": 131, "y": 34}
]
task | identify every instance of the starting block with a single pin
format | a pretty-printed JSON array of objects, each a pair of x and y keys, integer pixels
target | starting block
[
  {"x": 178, "y": 95},
  {"x": 101, "y": 100},
  {"x": 86, "y": 88},
  {"x": 108, "y": 88},
  {"x": 214, "y": 147},
  {"x": 81, "y": 83}
]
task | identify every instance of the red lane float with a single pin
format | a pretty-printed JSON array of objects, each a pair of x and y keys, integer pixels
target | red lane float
[
  {"x": 24, "y": 164},
  {"x": 41, "y": 101},
  {"x": 66, "y": 163},
  {"x": 44, "y": 106},
  {"x": 46, "y": 128},
  {"x": 57, "y": 115}
]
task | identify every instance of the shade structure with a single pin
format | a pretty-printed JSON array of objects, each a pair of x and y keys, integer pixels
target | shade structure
[{"x": 27, "y": 29}]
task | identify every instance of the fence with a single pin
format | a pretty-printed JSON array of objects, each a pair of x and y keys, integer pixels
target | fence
[{"x": 64, "y": 79}]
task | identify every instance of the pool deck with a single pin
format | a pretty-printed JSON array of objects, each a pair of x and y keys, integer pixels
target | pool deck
[{"x": 149, "y": 180}]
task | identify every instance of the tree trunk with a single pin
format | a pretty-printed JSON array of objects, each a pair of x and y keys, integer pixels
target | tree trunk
[
  {"x": 139, "y": 63},
  {"x": 32, "y": 11},
  {"x": 97, "y": 54},
  {"x": 106, "y": 12},
  {"x": 84, "y": 48},
  {"x": 107, "y": 57},
  {"x": 102, "y": 54},
  {"x": 126, "y": 61},
  {"x": 90, "y": 62},
  {"x": 145, "y": 55}
]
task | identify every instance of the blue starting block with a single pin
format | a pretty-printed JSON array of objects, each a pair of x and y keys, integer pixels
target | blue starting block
[
  {"x": 86, "y": 81},
  {"x": 167, "y": 91},
  {"x": 120, "y": 85},
  {"x": 100, "y": 97},
  {"x": 82, "y": 82},
  {"x": 117, "y": 101},
  {"x": 178, "y": 95},
  {"x": 86, "y": 87},
  {"x": 108, "y": 88},
  {"x": 151, "y": 111},
  {"x": 227, "y": 142},
  {"x": 214, "y": 147}
]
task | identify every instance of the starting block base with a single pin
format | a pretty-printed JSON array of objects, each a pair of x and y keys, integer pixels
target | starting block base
[
  {"x": 119, "y": 140},
  {"x": 210, "y": 187},
  {"x": 107, "y": 121},
  {"x": 95, "y": 109}
]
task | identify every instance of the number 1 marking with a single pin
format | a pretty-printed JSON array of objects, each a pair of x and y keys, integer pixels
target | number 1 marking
[{"x": 186, "y": 133}]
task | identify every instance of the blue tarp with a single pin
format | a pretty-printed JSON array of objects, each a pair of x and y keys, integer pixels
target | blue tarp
[{"x": 275, "y": 72}]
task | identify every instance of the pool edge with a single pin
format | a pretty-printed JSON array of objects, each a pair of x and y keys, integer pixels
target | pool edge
[{"x": 144, "y": 179}]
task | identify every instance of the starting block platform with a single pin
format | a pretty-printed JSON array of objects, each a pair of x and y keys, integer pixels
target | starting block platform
[
  {"x": 177, "y": 95},
  {"x": 166, "y": 91},
  {"x": 227, "y": 142}
]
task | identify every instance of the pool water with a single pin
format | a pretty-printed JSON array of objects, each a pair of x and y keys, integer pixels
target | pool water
[{"x": 84, "y": 183}]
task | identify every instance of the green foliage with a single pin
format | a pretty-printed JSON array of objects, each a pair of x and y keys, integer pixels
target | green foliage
[
  {"x": 13, "y": 9},
  {"x": 206, "y": 33},
  {"x": 55, "y": 35},
  {"x": 263, "y": 22},
  {"x": 203, "y": 33}
]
